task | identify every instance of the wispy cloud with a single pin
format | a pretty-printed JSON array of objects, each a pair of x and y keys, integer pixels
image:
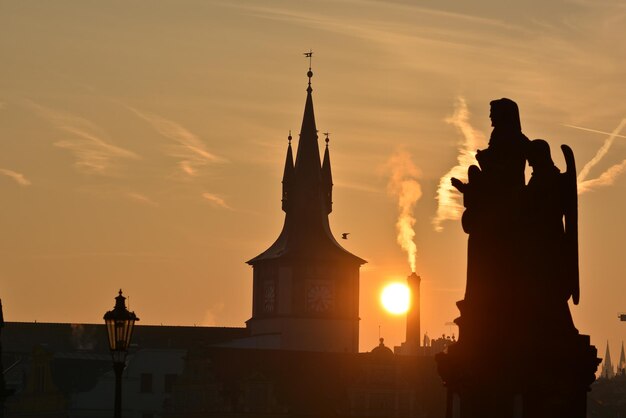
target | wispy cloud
[
  {"x": 215, "y": 200},
  {"x": 94, "y": 152},
  {"x": 138, "y": 197},
  {"x": 191, "y": 152},
  {"x": 448, "y": 198},
  {"x": 17, "y": 177}
]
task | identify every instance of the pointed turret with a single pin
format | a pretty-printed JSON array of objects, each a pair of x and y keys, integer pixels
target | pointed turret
[
  {"x": 287, "y": 176},
  {"x": 607, "y": 366},
  {"x": 327, "y": 179}
]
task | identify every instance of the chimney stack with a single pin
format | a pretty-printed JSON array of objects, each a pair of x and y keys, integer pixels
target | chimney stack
[{"x": 413, "y": 332}]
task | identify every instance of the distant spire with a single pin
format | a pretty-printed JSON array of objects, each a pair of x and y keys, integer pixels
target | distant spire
[
  {"x": 327, "y": 178},
  {"x": 287, "y": 176},
  {"x": 621, "y": 366},
  {"x": 607, "y": 366}
]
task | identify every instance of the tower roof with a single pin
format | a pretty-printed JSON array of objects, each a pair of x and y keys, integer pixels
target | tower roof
[{"x": 307, "y": 199}]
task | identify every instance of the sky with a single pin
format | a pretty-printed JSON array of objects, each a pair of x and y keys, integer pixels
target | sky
[{"x": 142, "y": 145}]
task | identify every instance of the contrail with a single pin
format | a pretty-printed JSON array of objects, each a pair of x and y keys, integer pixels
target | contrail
[
  {"x": 404, "y": 186},
  {"x": 593, "y": 130},
  {"x": 449, "y": 200},
  {"x": 582, "y": 176},
  {"x": 605, "y": 179}
]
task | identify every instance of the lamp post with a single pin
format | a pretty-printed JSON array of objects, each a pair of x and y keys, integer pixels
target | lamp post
[{"x": 119, "y": 323}]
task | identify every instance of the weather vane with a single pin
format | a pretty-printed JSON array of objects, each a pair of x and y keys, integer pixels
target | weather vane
[
  {"x": 309, "y": 74},
  {"x": 309, "y": 55},
  {"x": 327, "y": 139}
]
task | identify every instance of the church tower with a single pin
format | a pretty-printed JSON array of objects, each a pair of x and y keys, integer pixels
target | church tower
[
  {"x": 305, "y": 285},
  {"x": 607, "y": 367}
]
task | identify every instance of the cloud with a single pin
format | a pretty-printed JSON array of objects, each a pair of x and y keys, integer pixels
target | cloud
[
  {"x": 137, "y": 197},
  {"x": 18, "y": 177},
  {"x": 153, "y": 257},
  {"x": 216, "y": 200},
  {"x": 448, "y": 198},
  {"x": 94, "y": 154},
  {"x": 191, "y": 152}
]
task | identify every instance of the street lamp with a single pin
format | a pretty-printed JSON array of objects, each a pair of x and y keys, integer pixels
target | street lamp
[{"x": 119, "y": 323}]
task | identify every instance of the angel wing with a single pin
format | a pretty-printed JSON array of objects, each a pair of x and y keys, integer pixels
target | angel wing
[{"x": 571, "y": 223}]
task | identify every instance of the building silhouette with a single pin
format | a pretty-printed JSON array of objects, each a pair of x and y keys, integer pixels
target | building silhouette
[
  {"x": 305, "y": 285},
  {"x": 297, "y": 356}
]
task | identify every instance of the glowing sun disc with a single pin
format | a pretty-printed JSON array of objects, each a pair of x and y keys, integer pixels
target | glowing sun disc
[{"x": 396, "y": 298}]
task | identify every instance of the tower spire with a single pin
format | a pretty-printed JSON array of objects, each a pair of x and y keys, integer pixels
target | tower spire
[{"x": 307, "y": 165}]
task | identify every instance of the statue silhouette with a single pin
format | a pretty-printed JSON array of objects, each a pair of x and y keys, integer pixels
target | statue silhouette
[
  {"x": 518, "y": 353},
  {"x": 550, "y": 270},
  {"x": 492, "y": 199}
]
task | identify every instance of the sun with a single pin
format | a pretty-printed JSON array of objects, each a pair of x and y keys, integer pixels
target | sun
[{"x": 396, "y": 298}]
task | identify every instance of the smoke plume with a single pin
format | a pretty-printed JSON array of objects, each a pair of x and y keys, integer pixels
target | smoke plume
[
  {"x": 403, "y": 185},
  {"x": 448, "y": 198}
]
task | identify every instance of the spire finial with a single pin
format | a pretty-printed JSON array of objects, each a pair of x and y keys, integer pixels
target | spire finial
[
  {"x": 289, "y": 137},
  {"x": 309, "y": 74},
  {"x": 327, "y": 138}
]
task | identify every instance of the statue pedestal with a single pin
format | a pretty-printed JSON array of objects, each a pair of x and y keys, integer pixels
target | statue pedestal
[{"x": 515, "y": 378}]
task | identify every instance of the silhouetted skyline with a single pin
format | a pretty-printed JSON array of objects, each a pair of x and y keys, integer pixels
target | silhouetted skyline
[{"x": 142, "y": 147}]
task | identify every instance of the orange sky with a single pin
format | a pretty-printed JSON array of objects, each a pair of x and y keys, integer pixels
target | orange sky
[{"x": 142, "y": 144}]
